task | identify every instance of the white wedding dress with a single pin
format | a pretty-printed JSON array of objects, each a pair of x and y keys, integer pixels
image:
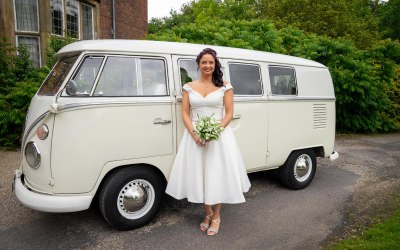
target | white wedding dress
[{"x": 212, "y": 174}]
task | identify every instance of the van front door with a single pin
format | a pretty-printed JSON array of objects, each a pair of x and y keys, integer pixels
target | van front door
[{"x": 125, "y": 117}]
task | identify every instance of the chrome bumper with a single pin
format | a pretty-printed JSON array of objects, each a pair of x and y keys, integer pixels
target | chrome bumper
[
  {"x": 47, "y": 202},
  {"x": 334, "y": 156}
]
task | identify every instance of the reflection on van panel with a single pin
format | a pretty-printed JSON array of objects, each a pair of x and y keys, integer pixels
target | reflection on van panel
[{"x": 107, "y": 121}]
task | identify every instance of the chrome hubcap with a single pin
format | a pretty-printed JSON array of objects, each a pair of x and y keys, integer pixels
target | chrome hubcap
[
  {"x": 303, "y": 167},
  {"x": 136, "y": 199}
]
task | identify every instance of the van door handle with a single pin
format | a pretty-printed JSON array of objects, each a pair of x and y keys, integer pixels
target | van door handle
[
  {"x": 235, "y": 117},
  {"x": 162, "y": 122}
]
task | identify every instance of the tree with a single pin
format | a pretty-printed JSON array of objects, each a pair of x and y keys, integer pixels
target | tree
[
  {"x": 391, "y": 19},
  {"x": 19, "y": 81},
  {"x": 352, "y": 19},
  {"x": 365, "y": 80}
]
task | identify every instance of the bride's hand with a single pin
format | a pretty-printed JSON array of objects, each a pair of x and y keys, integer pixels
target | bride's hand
[{"x": 198, "y": 141}]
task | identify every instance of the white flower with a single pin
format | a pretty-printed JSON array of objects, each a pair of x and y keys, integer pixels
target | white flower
[{"x": 208, "y": 128}]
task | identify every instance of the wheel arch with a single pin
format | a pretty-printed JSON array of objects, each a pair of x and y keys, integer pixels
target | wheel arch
[
  {"x": 146, "y": 166},
  {"x": 318, "y": 150}
]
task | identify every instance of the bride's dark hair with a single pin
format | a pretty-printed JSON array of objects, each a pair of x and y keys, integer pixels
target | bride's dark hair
[{"x": 217, "y": 74}]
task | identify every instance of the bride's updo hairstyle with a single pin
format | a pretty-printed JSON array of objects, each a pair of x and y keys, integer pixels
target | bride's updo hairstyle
[{"x": 217, "y": 74}]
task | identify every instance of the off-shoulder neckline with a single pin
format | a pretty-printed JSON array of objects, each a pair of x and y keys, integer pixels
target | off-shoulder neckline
[{"x": 227, "y": 85}]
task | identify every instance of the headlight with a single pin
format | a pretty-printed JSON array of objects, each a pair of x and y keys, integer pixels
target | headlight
[
  {"x": 42, "y": 131},
  {"x": 32, "y": 154}
]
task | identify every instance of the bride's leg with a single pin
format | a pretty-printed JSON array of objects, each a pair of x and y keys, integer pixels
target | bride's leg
[
  {"x": 207, "y": 218},
  {"x": 216, "y": 209},
  {"x": 216, "y": 220}
]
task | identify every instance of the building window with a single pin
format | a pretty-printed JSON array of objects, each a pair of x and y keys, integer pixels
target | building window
[
  {"x": 26, "y": 15},
  {"x": 72, "y": 18},
  {"x": 57, "y": 11},
  {"x": 87, "y": 22},
  {"x": 32, "y": 44}
]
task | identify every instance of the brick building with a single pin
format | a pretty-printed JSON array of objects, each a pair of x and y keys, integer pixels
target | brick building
[
  {"x": 130, "y": 20},
  {"x": 33, "y": 22}
]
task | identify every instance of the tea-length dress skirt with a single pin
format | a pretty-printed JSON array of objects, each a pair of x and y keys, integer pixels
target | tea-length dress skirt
[{"x": 212, "y": 174}]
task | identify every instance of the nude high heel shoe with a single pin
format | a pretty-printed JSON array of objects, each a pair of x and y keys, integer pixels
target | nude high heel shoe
[
  {"x": 214, "y": 227},
  {"x": 205, "y": 226}
]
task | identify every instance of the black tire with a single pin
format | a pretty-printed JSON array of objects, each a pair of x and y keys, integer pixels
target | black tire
[
  {"x": 131, "y": 197},
  {"x": 299, "y": 169}
]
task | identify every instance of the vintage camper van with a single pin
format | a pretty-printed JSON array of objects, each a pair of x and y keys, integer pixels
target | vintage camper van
[{"x": 106, "y": 123}]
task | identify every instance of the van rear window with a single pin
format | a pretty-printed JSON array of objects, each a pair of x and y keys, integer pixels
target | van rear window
[
  {"x": 57, "y": 76},
  {"x": 283, "y": 80}
]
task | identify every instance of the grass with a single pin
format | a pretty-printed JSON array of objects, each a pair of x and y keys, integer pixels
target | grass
[{"x": 385, "y": 235}]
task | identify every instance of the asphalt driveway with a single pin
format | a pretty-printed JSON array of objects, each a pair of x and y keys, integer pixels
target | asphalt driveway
[{"x": 366, "y": 175}]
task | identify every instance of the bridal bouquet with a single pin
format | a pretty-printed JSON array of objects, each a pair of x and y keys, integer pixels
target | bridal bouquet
[{"x": 208, "y": 128}]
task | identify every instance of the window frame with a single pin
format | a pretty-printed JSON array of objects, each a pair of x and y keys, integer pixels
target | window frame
[
  {"x": 37, "y": 18},
  {"x": 92, "y": 20},
  {"x": 294, "y": 75},
  {"x": 62, "y": 21},
  {"x": 39, "y": 48},
  {"x": 106, "y": 56},
  {"x": 78, "y": 69},
  {"x": 78, "y": 18},
  {"x": 179, "y": 72},
  {"x": 259, "y": 72}
]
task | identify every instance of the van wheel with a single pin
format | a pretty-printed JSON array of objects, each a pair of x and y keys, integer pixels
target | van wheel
[
  {"x": 299, "y": 169},
  {"x": 131, "y": 197}
]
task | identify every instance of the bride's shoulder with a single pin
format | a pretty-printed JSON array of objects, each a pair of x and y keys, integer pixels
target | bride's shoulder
[
  {"x": 227, "y": 86},
  {"x": 188, "y": 86}
]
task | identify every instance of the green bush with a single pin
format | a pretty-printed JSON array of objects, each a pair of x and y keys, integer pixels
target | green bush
[
  {"x": 365, "y": 80},
  {"x": 19, "y": 81},
  {"x": 362, "y": 79},
  {"x": 56, "y": 43}
]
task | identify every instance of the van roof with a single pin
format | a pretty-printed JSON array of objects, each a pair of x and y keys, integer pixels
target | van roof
[{"x": 175, "y": 48}]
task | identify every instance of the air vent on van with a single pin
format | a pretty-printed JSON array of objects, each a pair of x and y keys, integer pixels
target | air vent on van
[{"x": 319, "y": 115}]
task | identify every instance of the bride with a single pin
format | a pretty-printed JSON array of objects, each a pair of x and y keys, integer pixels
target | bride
[{"x": 208, "y": 172}]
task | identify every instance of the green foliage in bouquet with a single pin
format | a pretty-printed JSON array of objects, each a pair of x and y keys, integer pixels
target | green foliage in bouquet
[{"x": 208, "y": 128}]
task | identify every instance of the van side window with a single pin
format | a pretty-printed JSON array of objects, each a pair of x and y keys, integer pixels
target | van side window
[
  {"x": 245, "y": 79},
  {"x": 188, "y": 70},
  {"x": 87, "y": 75},
  {"x": 283, "y": 80},
  {"x": 131, "y": 76},
  {"x": 153, "y": 77}
]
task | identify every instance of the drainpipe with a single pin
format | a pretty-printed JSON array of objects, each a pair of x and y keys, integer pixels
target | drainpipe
[{"x": 113, "y": 18}]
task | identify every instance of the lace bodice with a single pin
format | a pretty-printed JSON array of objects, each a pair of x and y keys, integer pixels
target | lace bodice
[{"x": 211, "y": 104}]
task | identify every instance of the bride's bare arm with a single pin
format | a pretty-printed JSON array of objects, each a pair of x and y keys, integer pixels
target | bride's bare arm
[
  {"x": 228, "y": 103},
  {"x": 187, "y": 121}
]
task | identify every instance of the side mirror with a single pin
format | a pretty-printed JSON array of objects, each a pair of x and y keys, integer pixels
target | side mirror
[{"x": 70, "y": 88}]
